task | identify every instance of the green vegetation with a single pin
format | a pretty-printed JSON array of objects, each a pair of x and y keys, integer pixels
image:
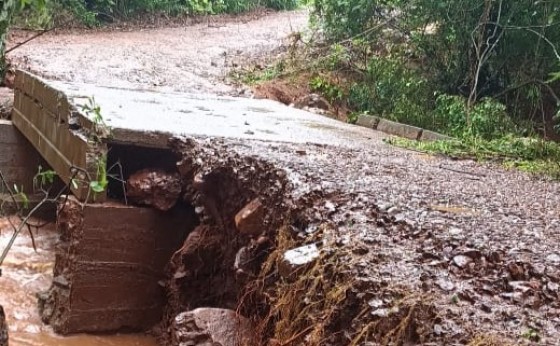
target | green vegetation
[
  {"x": 533, "y": 155},
  {"x": 95, "y": 12},
  {"x": 8, "y": 9},
  {"x": 482, "y": 71}
]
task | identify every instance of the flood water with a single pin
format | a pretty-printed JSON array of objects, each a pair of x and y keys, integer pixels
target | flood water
[{"x": 26, "y": 272}]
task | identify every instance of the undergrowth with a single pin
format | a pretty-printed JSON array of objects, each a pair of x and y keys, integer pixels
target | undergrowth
[
  {"x": 532, "y": 155},
  {"x": 415, "y": 63},
  {"x": 96, "y": 12}
]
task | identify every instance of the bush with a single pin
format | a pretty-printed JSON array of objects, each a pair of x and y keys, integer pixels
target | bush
[
  {"x": 390, "y": 90},
  {"x": 488, "y": 118},
  {"x": 93, "y": 11},
  {"x": 8, "y": 9},
  {"x": 477, "y": 50}
]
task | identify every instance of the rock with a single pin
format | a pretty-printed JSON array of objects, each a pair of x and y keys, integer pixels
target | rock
[
  {"x": 250, "y": 219},
  {"x": 154, "y": 187},
  {"x": 554, "y": 258},
  {"x": 211, "y": 327},
  {"x": 3, "y": 328},
  {"x": 242, "y": 258},
  {"x": 445, "y": 284},
  {"x": 313, "y": 101},
  {"x": 461, "y": 260},
  {"x": 295, "y": 259}
]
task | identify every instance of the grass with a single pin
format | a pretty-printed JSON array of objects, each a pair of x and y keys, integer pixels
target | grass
[{"x": 532, "y": 155}]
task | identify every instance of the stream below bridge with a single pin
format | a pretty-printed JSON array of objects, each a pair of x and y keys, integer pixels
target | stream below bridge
[{"x": 25, "y": 273}]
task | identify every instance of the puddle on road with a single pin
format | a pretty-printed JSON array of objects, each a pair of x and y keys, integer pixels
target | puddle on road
[{"x": 26, "y": 272}]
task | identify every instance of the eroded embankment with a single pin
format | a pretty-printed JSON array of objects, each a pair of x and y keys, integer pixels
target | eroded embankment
[
  {"x": 290, "y": 245},
  {"x": 238, "y": 258},
  {"x": 360, "y": 272}
]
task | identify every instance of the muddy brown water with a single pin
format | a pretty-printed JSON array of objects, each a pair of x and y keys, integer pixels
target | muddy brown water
[{"x": 26, "y": 272}]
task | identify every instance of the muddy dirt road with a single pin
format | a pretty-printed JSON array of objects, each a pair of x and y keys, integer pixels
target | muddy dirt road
[{"x": 188, "y": 59}]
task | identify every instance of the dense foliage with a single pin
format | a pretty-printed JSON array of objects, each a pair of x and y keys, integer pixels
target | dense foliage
[
  {"x": 450, "y": 65},
  {"x": 93, "y": 12},
  {"x": 8, "y": 9}
]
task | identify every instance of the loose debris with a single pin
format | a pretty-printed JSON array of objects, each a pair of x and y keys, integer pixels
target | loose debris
[{"x": 370, "y": 272}]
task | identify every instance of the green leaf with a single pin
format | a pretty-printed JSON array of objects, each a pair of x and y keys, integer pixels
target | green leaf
[
  {"x": 25, "y": 200},
  {"x": 554, "y": 77},
  {"x": 96, "y": 186}
]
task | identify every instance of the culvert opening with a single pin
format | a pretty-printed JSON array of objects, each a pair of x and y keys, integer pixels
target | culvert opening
[
  {"x": 126, "y": 160},
  {"x": 221, "y": 245},
  {"x": 111, "y": 257}
]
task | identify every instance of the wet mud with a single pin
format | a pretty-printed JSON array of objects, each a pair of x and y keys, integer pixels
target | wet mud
[
  {"x": 381, "y": 275},
  {"x": 186, "y": 58}
]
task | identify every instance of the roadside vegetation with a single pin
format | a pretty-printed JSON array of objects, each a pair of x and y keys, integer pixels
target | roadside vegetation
[
  {"x": 485, "y": 72},
  {"x": 97, "y": 12}
]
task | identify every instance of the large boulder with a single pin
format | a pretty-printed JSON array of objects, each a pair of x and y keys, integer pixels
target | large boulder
[
  {"x": 211, "y": 327},
  {"x": 155, "y": 188}
]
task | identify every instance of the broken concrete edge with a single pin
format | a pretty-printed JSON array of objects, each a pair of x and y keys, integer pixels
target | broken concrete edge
[
  {"x": 399, "y": 129},
  {"x": 40, "y": 110}
]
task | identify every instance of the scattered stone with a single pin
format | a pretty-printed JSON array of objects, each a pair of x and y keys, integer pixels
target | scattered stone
[
  {"x": 516, "y": 271},
  {"x": 211, "y": 326},
  {"x": 313, "y": 101},
  {"x": 461, "y": 260},
  {"x": 380, "y": 312},
  {"x": 295, "y": 259},
  {"x": 6, "y": 103},
  {"x": 553, "y": 286},
  {"x": 375, "y": 303},
  {"x": 250, "y": 219},
  {"x": 154, "y": 187},
  {"x": 445, "y": 284},
  {"x": 554, "y": 258},
  {"x": 455, "y": 231}
]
